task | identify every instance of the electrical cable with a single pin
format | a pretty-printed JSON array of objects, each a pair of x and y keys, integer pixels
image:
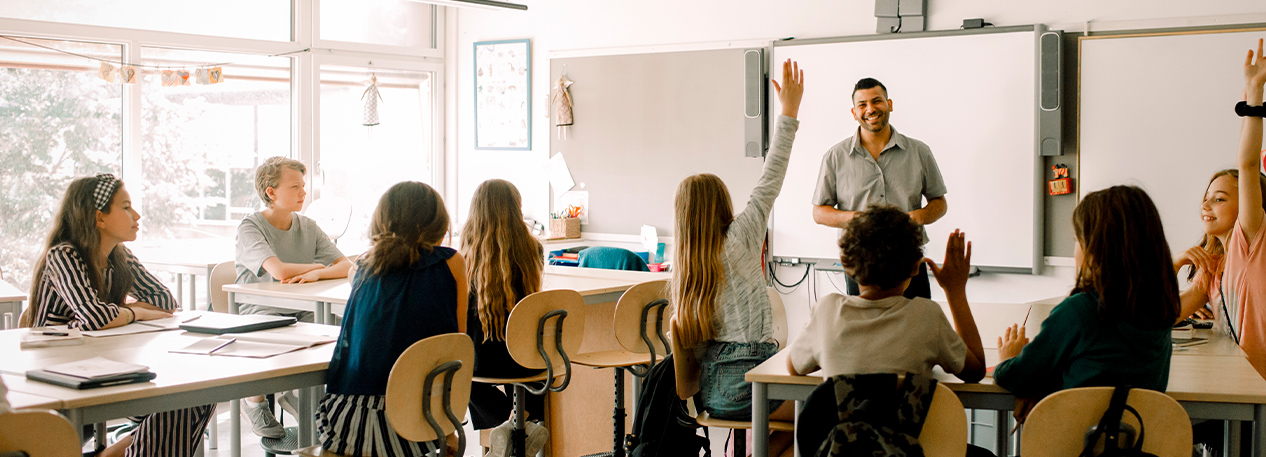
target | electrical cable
[{"x": 792, "y": 287}]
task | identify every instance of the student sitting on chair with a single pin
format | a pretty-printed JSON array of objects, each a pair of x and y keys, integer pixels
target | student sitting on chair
[
  {"x": 407, "y": 288},
  {"x": 280, "y": 244},
  {"x": 1114, "y": 328},
  {"x": 84, "y": 280},
  {"x": 504, "y": 263}
]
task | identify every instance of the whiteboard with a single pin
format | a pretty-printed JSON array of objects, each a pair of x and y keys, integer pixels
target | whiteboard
[
  {"x": 1157, "y": 112},
  {"x": 971, "y": 97}
]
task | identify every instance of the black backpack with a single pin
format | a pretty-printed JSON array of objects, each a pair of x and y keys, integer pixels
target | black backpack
[
  {"x": 1119, "y": 440},
  {"x": 663, "y": 426}
]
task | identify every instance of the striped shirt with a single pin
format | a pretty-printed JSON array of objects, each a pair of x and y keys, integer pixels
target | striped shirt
[
  {"x": 744, "y": 314},
  {"x": 66, "y": 295}
]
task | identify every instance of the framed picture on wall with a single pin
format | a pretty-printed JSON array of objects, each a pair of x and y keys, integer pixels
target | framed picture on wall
[{"x": 503, "y": 99}]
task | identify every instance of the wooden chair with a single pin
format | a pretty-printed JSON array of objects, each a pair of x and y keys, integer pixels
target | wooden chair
[
  {"x": 1057, "y": 425},
  {"x": 432, "y": 376},
  {"x": 38, "y": 433},
  {"x": 944, "y": 432},
  {"x": 543, "y": 331},
  {"x": 222, "y": 274},
  {"x": 639, "y": 314}
]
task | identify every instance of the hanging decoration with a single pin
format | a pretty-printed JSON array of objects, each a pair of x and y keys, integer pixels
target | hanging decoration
[
  {"x": 107, "y": 72},
  {"x": 562, "y": 103},
  {"x": 371, "y": 98}
]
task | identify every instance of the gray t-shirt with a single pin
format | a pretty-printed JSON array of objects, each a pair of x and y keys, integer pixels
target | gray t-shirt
[
  {"x": 851, "y": 180},
  {"x": 257, "y": 240},
  {"x": 853, "y": 335}
]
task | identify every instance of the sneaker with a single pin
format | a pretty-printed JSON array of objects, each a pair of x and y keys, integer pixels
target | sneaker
[
  {"x": 262, "y": 421},
  {"x": 289, "y": 403},
  {"x": 499, "y": 439}
]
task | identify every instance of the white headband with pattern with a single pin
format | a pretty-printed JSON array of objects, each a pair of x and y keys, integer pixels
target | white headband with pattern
[{"x": 105, "y": 189}]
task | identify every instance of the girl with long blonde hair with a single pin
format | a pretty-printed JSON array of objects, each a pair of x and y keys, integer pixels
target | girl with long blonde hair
[
  {"x": 504, "y": 263},
  {"x": 722, "y": 319}
]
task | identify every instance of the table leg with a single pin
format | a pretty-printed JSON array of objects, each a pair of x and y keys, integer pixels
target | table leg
[
  {"x": 232, "y": 304},
  {"x": 306, "y": 419},
  {"x": 213, "y": 442},
  {"x": 99, "y": 434},
  {"x": 1000, "y": 433},
  {"x": 209, "y": 291},
  {"x": 1231, "y": 437},
  {"x": 235, "y": 422},
  {"x": 1259, "y": 428},
  {"x": 319, "y": 315},
  {"x": 795, "y": 446},
  {"x": 193, "y": 292},
  {"x": 760, "y": 420},
  {"x": 180, "y": 287}
]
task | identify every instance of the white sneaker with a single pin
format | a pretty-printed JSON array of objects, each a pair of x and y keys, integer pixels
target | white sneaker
[
  {"x": 289, "y": 403},
  {"x": 261, "y": 419},
  {"x": 499, "y": 439}
]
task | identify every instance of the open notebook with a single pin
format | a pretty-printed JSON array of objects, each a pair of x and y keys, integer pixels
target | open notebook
[{"x": 256, "y": 345}]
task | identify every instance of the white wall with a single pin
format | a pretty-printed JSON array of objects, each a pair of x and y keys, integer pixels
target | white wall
[{"x": 605, "y": 25}]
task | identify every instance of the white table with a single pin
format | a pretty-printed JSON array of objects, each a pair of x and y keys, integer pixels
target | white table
[
  {"x": 184, "y": 380},
  {"x": 186, "y": 261},
  {"x": 11, "y": 299}
]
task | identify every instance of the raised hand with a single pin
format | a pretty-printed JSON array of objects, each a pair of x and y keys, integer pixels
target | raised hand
[
  {"x": 1255, "y": 72},
  {"x": 1010, "y": 344},
  {"x": 952, "y": 274},
  {"x": 1198, "y": 258},
  {"x": 792, "y": 88}
]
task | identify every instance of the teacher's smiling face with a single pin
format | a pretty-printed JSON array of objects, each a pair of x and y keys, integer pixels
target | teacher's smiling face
[{"x": 871, "y": 108}]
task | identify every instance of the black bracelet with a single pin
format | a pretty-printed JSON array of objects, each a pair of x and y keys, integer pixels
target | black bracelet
[{"x": 1243, "y": 110}]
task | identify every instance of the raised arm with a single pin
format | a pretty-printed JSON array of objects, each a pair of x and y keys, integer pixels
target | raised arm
[
  {"x": 754, "y": 218},
  {"x": 952, "y": 276},
  {"x": 1249, "y": 162}
]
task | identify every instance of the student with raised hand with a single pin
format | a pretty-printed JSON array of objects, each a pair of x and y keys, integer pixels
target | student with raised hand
[
  {"x": 882, "y": 249},
  {"x": 84, "y": 280},
  {"x": 407, "y": 288},
  {"x": 280, "y": 244},
  {"x": 722, "y": 318},
  {"x": 504, "y": 263},
  {"x": 1114, "y": 328}
]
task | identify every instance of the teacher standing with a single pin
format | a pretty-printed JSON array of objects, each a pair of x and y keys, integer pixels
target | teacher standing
[{"x": 878, "y": 165}]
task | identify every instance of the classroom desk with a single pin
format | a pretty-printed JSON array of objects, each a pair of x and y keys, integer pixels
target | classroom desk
[
  {"x": 1236, "y": 393},
  {"x": 20, "y": 400},
  {"x": 184, "y": 380},
  {"x": 11, "y": 299},
  {"x": 185, "y": 261}
]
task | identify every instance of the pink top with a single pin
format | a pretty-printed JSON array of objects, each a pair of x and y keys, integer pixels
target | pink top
[{"x": 1245, "y": 289}]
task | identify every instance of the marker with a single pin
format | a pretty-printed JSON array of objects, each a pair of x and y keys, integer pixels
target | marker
[
  {"x": 222, "y": 346},
  {"x": 192, "y": 319}
]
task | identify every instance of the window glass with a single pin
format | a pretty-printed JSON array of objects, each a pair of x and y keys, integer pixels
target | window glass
[
  {"x": 58, "y": 121},
  {"x": 358, "y": 163},
  {"x": 385, "y": 22},
  {"x": 200, "y": 145},
  {"x": 266, "y": 20}
]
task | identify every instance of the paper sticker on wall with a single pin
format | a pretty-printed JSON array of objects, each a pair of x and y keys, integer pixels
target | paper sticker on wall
[
  {"x": 216, "y": 75},
  {"x": 184, "y": 77},
  {"x": 203, "y": 75},
  {"x": 170, "y": 79},
  {"x": 107, "y": 72},
  {"x": 127, "y": 75}
]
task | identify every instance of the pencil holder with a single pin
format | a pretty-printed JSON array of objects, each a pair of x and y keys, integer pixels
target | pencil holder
[{"x": 564, "y": 228}]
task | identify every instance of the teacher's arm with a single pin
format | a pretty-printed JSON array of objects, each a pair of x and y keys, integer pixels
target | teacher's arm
[
  {"x": 829, "y": 216},
  {"x": 933, "y": 212}
]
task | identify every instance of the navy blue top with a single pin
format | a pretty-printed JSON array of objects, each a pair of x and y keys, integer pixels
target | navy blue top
[{"x": 385, "y": 315}]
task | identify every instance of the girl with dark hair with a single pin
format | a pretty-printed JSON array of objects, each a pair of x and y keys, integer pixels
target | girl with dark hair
[
  {"x": 84, "y": 280},
  {"x": 1114, "y": 328},
  {"x": 406, "y": 288}
]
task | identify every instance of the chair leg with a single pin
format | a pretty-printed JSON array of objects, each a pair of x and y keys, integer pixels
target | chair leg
[
  {"x": 617, "y": 449},
  {"x": 740, "y": 443},
  {"x": 518, "y": 435}
]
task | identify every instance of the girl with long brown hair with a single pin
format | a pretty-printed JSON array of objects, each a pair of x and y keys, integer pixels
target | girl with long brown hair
[
  {"x": 504, "y": 263},
  {"x": 84, "y": 280},
  {"x": 722, "y": 319},
  {"x": 407, "y": 288}
]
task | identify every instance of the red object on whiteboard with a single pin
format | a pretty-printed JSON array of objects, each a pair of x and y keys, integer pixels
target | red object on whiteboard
[{"x": 1062, "y": 184}]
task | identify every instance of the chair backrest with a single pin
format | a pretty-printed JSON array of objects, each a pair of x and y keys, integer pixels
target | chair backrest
[
  {"x": 222, "y": 274},
  {"x": 332, "y": 214},
  {"x": 39, "y": 433},
  {"x": 422, "y": 369},
  {"x": 524, "y": 320},
  {"x": 628, "y": 318},
  {"x": 945, "y": 429},
  {"x": 612, "y": 258},
  {"x": 780, "y": 317},
  {"x": 1057, "y": 425}
]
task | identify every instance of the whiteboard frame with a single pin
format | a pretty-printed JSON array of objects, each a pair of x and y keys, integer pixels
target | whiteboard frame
[{"x": 1039, "y": 213}]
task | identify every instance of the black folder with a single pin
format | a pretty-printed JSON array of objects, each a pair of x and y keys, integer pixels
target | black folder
[
  {"x": 220, "y": 323},
  {"x": 75, "y": 382}
]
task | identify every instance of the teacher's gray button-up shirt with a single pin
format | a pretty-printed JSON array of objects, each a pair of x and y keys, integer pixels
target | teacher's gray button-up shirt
[{"x": 906, "y": 172}]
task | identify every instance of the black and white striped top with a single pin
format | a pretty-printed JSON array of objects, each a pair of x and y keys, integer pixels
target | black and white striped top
[{"x": 66, "y": 294}]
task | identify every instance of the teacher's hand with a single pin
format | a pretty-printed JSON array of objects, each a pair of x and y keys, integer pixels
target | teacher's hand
[{"x": 792, "y": 88}]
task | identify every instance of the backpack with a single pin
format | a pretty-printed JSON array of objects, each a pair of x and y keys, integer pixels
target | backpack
[
  {"x": 1112, "y": 431},
  {"x": 663, "y": 426},
  {"x": 866, "y": 414}
]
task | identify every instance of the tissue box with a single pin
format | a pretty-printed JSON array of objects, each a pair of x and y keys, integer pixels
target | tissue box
[{"x": 564, "y": 228}]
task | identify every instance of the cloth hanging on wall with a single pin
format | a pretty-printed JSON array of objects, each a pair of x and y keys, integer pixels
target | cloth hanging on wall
[
  {"x": 562, "y": 104},
  {"x": 371, "y": 98}
]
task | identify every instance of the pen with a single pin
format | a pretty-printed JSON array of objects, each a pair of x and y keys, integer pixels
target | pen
[
  {"x": 54, "y": 333},
  {"x": 222, "y": 346},
  {"x": 191, "y": 319}
]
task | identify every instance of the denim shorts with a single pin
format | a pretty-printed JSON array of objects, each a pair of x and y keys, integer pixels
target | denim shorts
[{"x": 726, "y": 395}]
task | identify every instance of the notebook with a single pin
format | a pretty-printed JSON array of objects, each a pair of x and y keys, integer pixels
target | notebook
[
  {"x": 92, "y": 373},
  {"x": 43, "y": 337},
  {"x": 220, "y": 323},
  {"x": 256, "y": 345}
]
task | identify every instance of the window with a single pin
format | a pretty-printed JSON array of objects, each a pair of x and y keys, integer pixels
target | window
[
  {"x": 200, "y": 143},
  {"x": 383, "y": 22},
  {"x": 266, "y": 20},
  {"x": 359, "y": 163},
  {"x": 58, "y": 121}
]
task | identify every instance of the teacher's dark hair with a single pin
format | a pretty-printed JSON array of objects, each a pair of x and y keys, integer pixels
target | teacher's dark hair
[
  {"x": 867, "y": 83},
  {"x": 1125, "y": 258}
]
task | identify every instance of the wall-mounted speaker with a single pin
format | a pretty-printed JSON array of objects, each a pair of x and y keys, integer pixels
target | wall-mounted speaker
[
  {"x": 755, "y": 127},
  {"x": 1050, "y": 92}
]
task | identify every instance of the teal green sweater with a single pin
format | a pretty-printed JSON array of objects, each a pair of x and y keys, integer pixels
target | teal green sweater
[{"x": 1077, "y": 349}]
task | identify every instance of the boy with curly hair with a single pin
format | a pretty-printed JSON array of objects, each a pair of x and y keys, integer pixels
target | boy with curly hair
[{"x": 881, "y": 331}]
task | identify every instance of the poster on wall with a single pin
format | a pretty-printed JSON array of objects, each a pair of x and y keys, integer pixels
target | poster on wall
[{"x": 503, "y": 102}]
